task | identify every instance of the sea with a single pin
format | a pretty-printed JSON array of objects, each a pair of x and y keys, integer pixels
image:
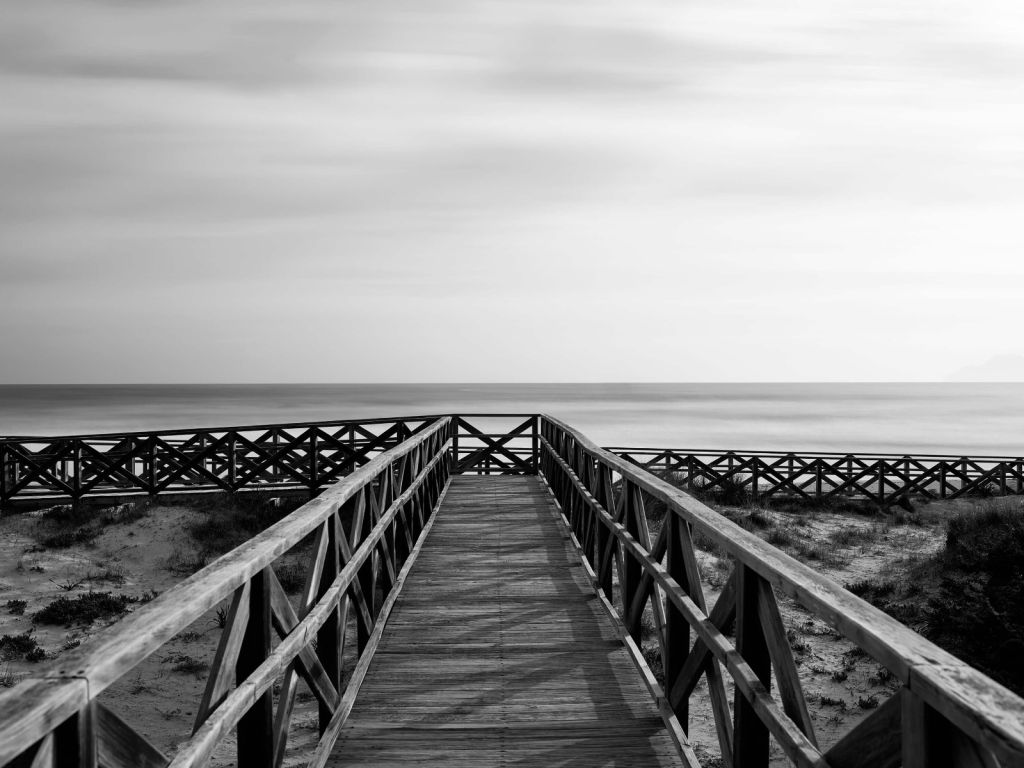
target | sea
[{"x": 932, "y": 418}]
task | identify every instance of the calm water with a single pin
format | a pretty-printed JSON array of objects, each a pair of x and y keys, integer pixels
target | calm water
[{"x": 932, "y": 418}]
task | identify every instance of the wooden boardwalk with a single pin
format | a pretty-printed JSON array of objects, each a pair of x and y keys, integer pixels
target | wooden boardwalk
[{"x": 498, "y": 653}]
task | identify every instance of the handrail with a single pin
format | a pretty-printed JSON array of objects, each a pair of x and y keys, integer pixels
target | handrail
[
  {"x": 394, "y": 494},
  {"x": 944, "y": 704},
  {"x": 779, "y": 454},
  {"x": 881, "y": 477}
]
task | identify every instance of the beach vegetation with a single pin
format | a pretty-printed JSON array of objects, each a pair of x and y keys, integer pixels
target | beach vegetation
[
  {"x": 16, "y": 607},
  {"x": 228, "y": 520},
  {"x": 84, "y": 609},
  {"x": 18, "y": 646}
]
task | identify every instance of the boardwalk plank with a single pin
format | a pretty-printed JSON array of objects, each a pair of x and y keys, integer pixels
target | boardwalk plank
[{"x": 497, "y": 652}]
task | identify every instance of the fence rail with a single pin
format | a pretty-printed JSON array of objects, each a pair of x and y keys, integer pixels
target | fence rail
[
  {"x": 311, "y": 456},
  {"x": 882, "y": 478},
  {"x": 946, "y": 713},
  {"x": 367, "y": 529},
  {"x": 272, "y": 457}
]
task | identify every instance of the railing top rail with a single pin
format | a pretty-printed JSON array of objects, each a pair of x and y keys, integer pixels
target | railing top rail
[
  {"x": 967, "y": 697},
  {"x": 141, "y": 633},
  {"x": 194, "y": 430},
  {"x": 256, "y": 427},
  {"x": 647, "y": 451}
]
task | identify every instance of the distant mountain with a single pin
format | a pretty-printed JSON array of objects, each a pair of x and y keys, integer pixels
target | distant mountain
[{"x": 998, "y": 368}]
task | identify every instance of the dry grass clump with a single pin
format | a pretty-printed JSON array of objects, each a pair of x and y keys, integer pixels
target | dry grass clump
[{"x": 84, "y": 609}]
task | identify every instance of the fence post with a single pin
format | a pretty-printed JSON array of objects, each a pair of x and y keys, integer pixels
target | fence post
[
  {"x": 6, "y": 475},
  {"x": 750, "y": 735},
  {"x": 677, "y": 630},
  {"x": 256, "y": 727},
  {"x": 76, "y": 482},
  {"x": 630, "y": 567},
  {"x": 74, "y": 743},
  {"x": 314, "y": 463},
  {"x": 455, "y": 444},
  {"x": 927, "y": 736},
  {"x": 233, "y": 461}
]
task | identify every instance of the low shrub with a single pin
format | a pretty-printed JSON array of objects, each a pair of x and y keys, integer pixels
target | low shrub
[
  {"x": 69, "y": 537},
  {"x": 15, "y": 646},
  {"x": 978, "y": 612},
  {"x": 84, "y": 609},
  {"x": 16, "y": 607}
]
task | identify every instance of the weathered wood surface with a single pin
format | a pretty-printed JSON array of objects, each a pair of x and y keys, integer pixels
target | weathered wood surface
[{"x": 498, "y": 653}]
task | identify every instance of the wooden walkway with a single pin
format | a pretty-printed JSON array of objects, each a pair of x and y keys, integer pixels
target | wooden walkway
[{"x": 498, "y": 653}]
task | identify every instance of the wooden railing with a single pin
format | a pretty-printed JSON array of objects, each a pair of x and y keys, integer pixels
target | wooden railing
[
  {"x": 272, "y": 457},
  {"x": 946, "y": 713},
  {"x": 882, "y": 478},
  {"x": 310, "y": 456},
  {"x": 368, "y": 528}
]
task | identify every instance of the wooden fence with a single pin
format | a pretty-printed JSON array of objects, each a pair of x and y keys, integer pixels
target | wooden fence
[
  {"x": 274, "y": 457},
  {"x": 946, "y": 713},
  {"x": 367, "y": 528},
  {"x": 311, "y": 456},
  {"x": 882, "y": 478},
  {"x": 366, "y": 531}
]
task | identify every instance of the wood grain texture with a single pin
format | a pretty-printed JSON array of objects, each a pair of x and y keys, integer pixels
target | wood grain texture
[{"x": 497, "y": 653}]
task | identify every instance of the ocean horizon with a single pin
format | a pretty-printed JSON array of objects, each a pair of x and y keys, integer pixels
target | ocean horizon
[{"x": 913, "y": 418}]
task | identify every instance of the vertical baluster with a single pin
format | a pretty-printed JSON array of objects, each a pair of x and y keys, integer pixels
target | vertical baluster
[
  {"x": 604, "y": 498},
  {"x": 314, "y": 463},
  {"x": 77, "y": 479},
  {"x": 750, "y": 734},
  {"x": 677, "y": 629},
  {"x": 365, "y": 576},
  {"x": 927, "y": 736},
  {"x": 74, "y": 740},
  {"x": 256, "y": 728},
  {"x": 6, "y": 475},
  {"x": 535, "y": 445},
  {"x": 232, "y": 460},
  {"x": 631, "y": 571},
  {"x": 329, "y": 638}
]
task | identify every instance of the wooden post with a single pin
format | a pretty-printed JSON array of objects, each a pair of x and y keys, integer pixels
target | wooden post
[
  {"x": 750, "y": 735},
  {"x": 233, "y": 461},
  {"x": 6, "y": 475},
  {"x": 631, "y": 568},
  {"x": 314, "y": 464},
  {"x": 677, "y": 630},
  {"x": 535, "y": 445},
  {"x": 329, "y": 636},
  {"x": 256, "y": 728},
  {"x": 76, "y": 481},
  {"x": 455, "y": 445},
  {"x": 74, "y": 743},
  {"x": 927, "y": 736},
  {"x": 604, "y": 498}
]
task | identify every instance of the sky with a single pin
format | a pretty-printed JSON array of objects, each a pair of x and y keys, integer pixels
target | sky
[{"x": 420, "y": 190}]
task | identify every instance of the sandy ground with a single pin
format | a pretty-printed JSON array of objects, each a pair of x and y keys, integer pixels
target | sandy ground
[{"x": 160, "y": 696}]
